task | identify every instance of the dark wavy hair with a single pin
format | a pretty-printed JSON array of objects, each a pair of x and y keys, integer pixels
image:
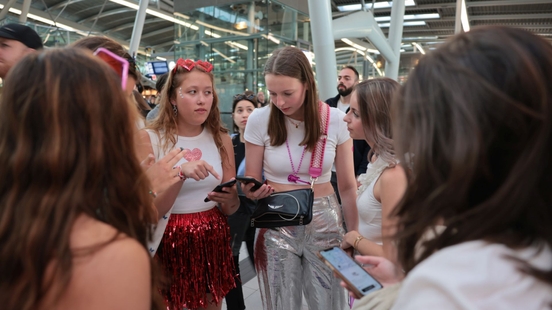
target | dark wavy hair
[
  {"x": 291, "y": 61},
  {"x": 246, "y": 95},
  {"x": 64, "y": 153},
  {"x": 476, "y": 116}
]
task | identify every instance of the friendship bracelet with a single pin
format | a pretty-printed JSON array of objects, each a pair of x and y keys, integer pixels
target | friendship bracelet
[
  {"x": 153, "y": 193},
  {"x": 180, "y": 174},
  {"x": 357, "y": 240}
]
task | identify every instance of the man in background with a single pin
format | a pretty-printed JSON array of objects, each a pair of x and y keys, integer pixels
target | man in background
[
  {"x": 16, "y": 41},
  {"x": 261, "y": 101},
  {"x": 346, "y": 80}
]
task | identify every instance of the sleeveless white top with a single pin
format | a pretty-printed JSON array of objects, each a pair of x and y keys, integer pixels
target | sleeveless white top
[{"x": 369, "y": 209}]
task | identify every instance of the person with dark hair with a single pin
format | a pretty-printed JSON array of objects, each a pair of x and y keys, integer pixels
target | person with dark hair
[
  {"x": 475, "y": 115},
  {"x": 347, "y": 79},
  {"x": 261, "y": 99},
  {"x": 240, "y": 230},
  {"x": 280, "y": 139},
  {"x": 159, "y": 87},
  {"x": 16, "y": 41},
  {"x": 192, "y": 240},
  {"x": 383, "y": 184},
  {"x": 76, "y": 210}
]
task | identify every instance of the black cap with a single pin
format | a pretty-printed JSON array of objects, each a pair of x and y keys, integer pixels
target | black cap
[{"x": 23, "y": 34}]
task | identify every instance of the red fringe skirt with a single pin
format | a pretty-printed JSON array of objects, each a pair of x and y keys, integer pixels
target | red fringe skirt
[{"x": 195, "y": 255}]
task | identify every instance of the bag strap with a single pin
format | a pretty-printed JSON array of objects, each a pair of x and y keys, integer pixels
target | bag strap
[{"x": 317, "y": 158}]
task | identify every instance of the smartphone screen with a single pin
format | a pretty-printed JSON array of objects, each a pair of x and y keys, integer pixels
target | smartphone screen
[
  {"x": 350, "y": 271},
  {"x": 219, "y": 187},
  {"x": 119, "y": 64}
]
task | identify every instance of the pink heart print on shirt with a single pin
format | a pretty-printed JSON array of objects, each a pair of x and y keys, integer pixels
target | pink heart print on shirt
[{"x": 191, "y": 155}]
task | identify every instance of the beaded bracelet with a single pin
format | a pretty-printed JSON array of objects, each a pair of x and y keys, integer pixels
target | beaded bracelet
[
  {"x": 180, "y": 174},
  {"x": 357, "y": 240}
]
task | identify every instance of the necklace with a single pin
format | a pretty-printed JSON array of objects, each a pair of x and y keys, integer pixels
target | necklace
[
  {"x": 293, "y": 178},
  {"x": 295, "y": 124}
]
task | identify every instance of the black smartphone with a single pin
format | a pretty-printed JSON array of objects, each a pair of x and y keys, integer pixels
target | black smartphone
[
  {"x": 247, "y": 180},
  {"x": 219, "y": 187},
  {"x": 358, "y": 279}
]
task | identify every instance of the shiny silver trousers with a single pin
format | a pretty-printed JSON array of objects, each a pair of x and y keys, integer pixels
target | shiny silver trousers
[{"x": 288, "y": 266}]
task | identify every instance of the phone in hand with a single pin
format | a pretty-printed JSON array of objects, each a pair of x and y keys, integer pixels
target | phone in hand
[
  {"x": 247, "y": 180},
  {"x": 358, "y": 280},
  {"x": 219, "y": 187}
]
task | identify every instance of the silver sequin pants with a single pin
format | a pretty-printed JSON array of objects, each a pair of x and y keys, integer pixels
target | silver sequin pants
[{"x": 287, "y": 264}]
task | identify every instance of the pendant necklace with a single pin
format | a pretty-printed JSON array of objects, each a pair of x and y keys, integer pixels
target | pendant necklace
[
  {"x": 292, "y": 177},
  {"x": 295, "y": 124}
]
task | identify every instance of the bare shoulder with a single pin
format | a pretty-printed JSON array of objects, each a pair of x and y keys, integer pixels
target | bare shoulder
[
  {"x": 227, "y": 140},
  {"x": 115, "y": 276},
  {"x": 393, "y": 176}
]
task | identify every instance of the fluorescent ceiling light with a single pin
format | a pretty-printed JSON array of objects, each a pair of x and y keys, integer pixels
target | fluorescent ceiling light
[
  {"x": 409, "y": 17},
  {"x": 368, "y": 6},
  {"x": 359, "y": 47},
  {"x": 223, "y": 56},
  {"x": 412, "y": 23},
  {"x": 419, "y": 47},
  {"x": 464, "y": 17},
  {"x": 46, "y": 21},
  {"x": 361, "y": 52},
  {"x": 271, "y": 38},
  {"x": 161, "y": 58},
  {"x": 158, "y": 14}
]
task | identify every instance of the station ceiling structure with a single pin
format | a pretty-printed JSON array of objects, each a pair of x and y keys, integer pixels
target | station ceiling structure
[{"x": 427, "y": 22}]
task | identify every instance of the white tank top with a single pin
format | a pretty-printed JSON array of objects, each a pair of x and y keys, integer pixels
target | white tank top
[{"x": 369, "y": 209}]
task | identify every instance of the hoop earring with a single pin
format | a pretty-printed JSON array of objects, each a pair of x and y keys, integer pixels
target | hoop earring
[{"x": 175, "y": 110}]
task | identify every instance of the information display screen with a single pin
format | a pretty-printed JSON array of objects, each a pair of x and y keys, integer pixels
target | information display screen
[{"x": 157, "y": 67}]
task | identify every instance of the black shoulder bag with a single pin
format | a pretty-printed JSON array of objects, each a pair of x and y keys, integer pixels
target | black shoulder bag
[{"x": 293, "y": 208}]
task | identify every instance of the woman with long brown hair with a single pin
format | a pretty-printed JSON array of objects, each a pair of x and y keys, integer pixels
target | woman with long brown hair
[
  {"x": 280, "y": 139},
  {"x": 74, "y": 202},
  {"x": 383, "y": 184},
  {"x": 476, "y": 115}
]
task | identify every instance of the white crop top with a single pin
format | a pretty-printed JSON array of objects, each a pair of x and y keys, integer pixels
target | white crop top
[
  {"x": 192, "y": 193},
  {"x": 276, "y": 161}
]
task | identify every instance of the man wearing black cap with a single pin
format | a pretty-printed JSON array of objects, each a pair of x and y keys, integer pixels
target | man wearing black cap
[{"x": 16, "y": 41}]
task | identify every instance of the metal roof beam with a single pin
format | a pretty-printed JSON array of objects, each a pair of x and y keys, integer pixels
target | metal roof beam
[
  {"x": 130, "y": 25},
  {"x": 106, "y": 14},
  {"x": 157, "y": 32},
  {"x": 62, "y": 4}
]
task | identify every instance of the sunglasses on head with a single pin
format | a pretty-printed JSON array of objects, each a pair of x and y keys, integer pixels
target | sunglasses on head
[
  {"x": 117, "y": 63},
  {"x": 243, "y": 96},
  {"x": 189, "y": 64}
]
